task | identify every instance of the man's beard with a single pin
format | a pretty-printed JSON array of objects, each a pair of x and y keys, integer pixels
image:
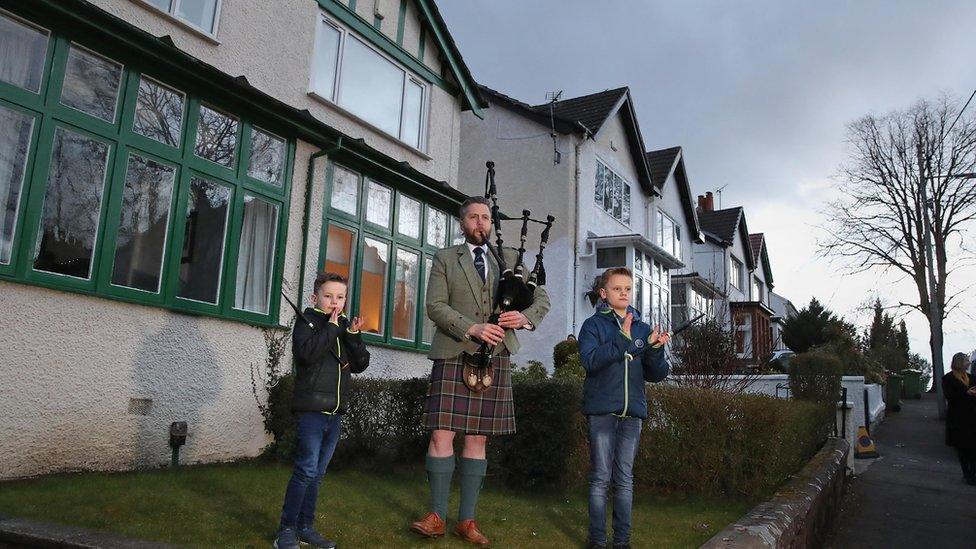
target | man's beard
[{"x": 476, "y": 238}]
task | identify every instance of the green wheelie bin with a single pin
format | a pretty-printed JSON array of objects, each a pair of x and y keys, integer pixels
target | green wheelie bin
[
  {"x": 912, "y": 384},
  {"x": 893, "y": 393}
]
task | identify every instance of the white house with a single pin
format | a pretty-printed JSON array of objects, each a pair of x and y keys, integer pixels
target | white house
[
  {"x": 783, "y": 309},
  {"x": 583, "y": 160},
  {"x": 742, "y": 274},
  {"x": 167, "y": 168}
]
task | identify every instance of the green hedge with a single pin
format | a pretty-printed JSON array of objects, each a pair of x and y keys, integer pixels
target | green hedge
[{"x": 695, "y": 440}]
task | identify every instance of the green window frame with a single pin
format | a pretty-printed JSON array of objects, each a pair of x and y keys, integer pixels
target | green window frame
[
  {"x": 364, "y": 226},
  {"x": 244, "y": 181}
]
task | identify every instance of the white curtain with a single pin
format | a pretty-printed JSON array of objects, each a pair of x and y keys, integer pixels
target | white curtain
[
  {"x": 19, "y": 50},
  {"x": 256, "y": 255}
]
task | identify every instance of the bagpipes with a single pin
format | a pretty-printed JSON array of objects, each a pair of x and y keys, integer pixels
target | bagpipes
[{"x": 515, "y": 287}]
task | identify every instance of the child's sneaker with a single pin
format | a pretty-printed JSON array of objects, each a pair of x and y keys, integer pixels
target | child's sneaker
[
  {"x": 315, "y": 539},
  {"x": 286, "y": 539}
]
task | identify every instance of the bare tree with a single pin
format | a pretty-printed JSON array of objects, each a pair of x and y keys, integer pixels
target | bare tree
[{"x": 906, "y": 185}]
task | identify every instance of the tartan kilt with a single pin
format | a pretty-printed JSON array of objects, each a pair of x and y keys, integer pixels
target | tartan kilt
[{"x": 451, "y": 406}]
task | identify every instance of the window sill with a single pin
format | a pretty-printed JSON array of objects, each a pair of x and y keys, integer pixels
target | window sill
[
  {"x": 382, "y": 133},
  {"x": 206, "y": 36}
]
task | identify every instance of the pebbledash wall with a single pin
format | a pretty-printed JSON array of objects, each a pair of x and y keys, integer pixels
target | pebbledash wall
[{"x": 93, "y": 381}]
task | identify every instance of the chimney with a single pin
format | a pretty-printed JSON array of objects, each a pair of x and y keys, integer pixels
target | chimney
[
  {"x": 709, "y": 202},
  {"x": 701, "y": 203}
]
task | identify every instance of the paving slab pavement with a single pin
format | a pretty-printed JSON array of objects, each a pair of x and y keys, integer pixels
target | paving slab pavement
[{"x": 913, "y": 495}]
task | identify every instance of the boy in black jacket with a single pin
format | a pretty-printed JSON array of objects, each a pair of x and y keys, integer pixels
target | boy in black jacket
[{"x": 327, "y": 349}]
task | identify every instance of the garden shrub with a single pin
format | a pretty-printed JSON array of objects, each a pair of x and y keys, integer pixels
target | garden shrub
[
  {"x": 815, "y": 376},
  {"x": 562, "y": 351},
  {"x": 571, "y": 370},
  {"x": 695, "y": 440}
]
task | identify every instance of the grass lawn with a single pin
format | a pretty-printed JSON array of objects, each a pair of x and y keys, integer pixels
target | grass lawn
[{"x": 237, "y": 505}]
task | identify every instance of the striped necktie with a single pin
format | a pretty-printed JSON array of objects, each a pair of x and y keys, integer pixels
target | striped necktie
[{"x": 479, "y": 262}]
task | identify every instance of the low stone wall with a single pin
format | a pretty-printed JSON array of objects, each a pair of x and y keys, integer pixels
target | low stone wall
[{"x": 800, "y": 513}]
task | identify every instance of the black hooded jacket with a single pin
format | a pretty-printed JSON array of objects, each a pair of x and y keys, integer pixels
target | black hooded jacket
[{"x": 326, "y": 354}]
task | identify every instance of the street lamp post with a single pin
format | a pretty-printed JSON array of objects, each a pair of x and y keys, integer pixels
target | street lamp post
[{"x": 935, "y": 308}]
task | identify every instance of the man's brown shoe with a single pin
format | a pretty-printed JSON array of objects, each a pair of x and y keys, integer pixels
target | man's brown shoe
[
  {"x": 468, "y": 531},
  {"x": 431, "y": 526}
]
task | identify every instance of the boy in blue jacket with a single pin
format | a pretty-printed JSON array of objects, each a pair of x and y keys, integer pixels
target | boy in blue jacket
[{"x": 620, "y": 353}]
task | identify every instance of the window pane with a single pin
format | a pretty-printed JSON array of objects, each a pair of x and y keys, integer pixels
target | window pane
[
  {"x": 371, "y": 87},
  {"x": 428, "y": 334},
  {"x": 437, "y": 228},
  {"x": 607, "y": 190},
  {"x": 638, "y": 262},
  {"x": 203, "y": 244},
  {"x": 255, "y": 259},
  {"x": 91, "y": 84},
  {"x": 15, "y": 138},
  {"x": 378, "y": 200},
  {"x": 339, "y": 250},
  {"x": 638, "y": 296},
  {"x": 22, "y": 52},
  {"x": 626, "y": 204},
  {"x": 611, "y": 257},
  {"x": 199, "y": 12},
  {"x": 413, "y": 105},
  {"x": 216, "y": 137},
  {"x": 405, "y": 295},
  {"x": 141, "y": 241},
  {"x": 72, "y": 204},
  {"x": 372, "y": 293},
  {"x": 159, "y": 113},
  {"x": 408, "y": 223},
  {"x": 161, "y": 4},
  {"x": 267, "y": 161},
  {"x": 617, "y": 197},
  {"x": 646, "y": 297},
  {"x": 599, "y": 184},
  {"x": 345, "y": 190},
  {"x": 326, "y": 58},
  {"x": 456, "y": 230}
]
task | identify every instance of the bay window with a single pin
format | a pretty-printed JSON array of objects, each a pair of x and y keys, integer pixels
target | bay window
[
  {"x": 133, "y": 189},
  {"x": 384, "y": 243}
]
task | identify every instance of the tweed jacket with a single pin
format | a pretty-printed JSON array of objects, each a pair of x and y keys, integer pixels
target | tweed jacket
[{"x": 457, "y": 299}]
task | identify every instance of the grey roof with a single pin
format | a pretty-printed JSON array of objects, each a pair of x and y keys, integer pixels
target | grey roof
[
  {"x": 720, "y": 227},
  {"x": 720, "y": 224},
  {"x": 586, "y": 115},
  {"x": 756, "y": 241},
  {"x": 589, "y": 110},
  {"x": 661, "y": 163}
]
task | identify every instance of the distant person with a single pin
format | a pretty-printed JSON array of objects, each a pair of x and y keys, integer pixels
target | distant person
[{"x": 960, "y": 391}]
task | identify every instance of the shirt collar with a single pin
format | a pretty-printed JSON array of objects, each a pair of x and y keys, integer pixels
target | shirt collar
[{"x": 471, "y": 248}]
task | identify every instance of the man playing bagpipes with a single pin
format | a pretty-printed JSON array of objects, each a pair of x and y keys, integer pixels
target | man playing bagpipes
[{"x": 471, "y": 384}]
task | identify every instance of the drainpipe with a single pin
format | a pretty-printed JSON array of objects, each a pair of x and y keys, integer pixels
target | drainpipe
[
  {"x": 308, "y": 206},
  {"x": 576, "y": 205}
]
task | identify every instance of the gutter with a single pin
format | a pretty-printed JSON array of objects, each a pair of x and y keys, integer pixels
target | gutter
[{"x": 309, "y": 181}]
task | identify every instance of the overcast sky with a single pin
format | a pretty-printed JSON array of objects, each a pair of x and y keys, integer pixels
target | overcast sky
[{"x": 758, "y": 95}]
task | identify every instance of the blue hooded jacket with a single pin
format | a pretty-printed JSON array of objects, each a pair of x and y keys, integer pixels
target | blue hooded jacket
[{"x": 617, "y": 366}]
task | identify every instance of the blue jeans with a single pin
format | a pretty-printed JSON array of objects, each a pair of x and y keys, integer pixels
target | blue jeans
[
  {"x": 613, "y": 447},
  {"x": 318, "y": 435}
]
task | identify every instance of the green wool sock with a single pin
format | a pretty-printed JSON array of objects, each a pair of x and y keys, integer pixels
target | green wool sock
[
  {"x": 472, "y": 477},
  {"x": 439, "y": 473}
]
